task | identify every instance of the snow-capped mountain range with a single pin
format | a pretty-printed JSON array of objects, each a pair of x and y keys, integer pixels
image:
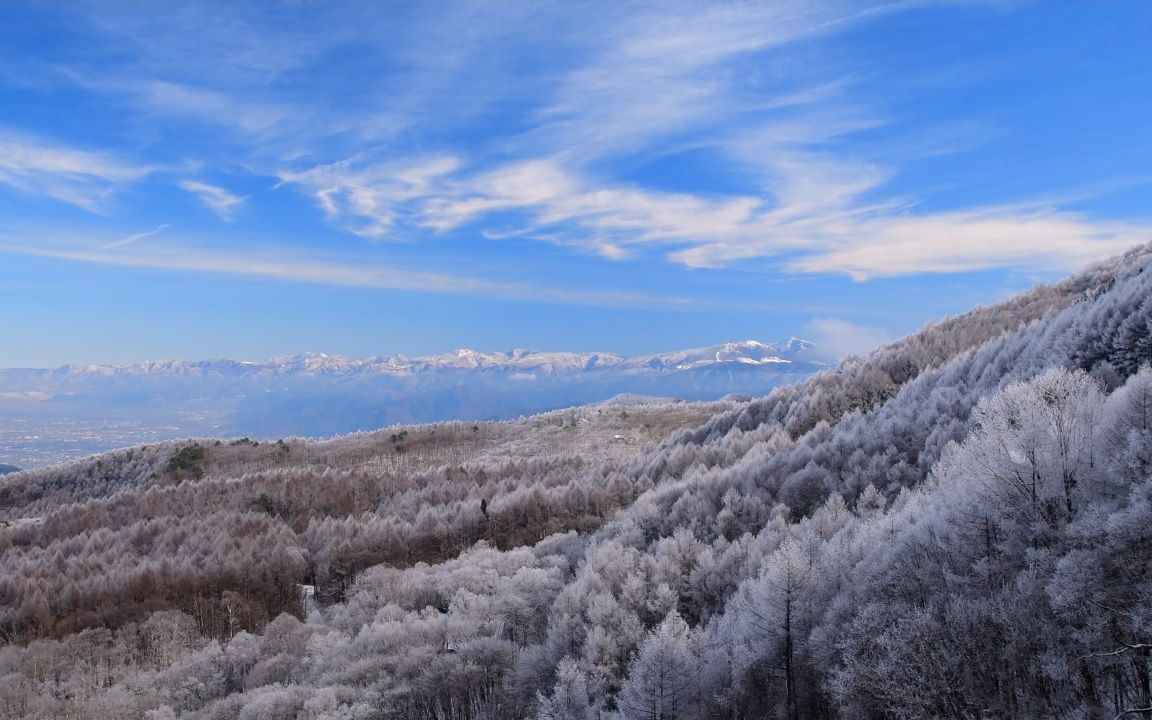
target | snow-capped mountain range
[
  {"x": 48, "y": 415},
  {"x": 748, "y": 352}
]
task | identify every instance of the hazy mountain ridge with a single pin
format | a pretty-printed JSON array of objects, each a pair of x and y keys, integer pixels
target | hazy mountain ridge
[
  {"x": 793, "y": 350},
  {"x": 52, "y": 415},
  {"x": 854, "y": 545}
]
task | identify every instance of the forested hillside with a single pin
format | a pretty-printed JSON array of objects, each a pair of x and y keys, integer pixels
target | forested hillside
[{"x": 953, "y": 526}]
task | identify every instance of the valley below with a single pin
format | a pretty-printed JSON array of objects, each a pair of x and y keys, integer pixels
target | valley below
[{"x": 51, "y": 416}]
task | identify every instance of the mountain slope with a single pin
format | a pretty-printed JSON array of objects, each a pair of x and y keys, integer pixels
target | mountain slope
[{"x": 952, "y": 526}]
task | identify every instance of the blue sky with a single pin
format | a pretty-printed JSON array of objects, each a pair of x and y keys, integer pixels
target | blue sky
[{"x": 253, "y": 179}]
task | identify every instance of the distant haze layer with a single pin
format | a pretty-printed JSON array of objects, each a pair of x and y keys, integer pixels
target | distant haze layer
[{"x": 52, "y": 415}]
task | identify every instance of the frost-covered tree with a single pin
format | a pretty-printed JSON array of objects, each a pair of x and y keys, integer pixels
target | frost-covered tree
[
  {"x": 660, "y": 681},
  {"x": 1033, "y": 445},
  {"x": 569, "y": 697},
  {"x": 1127, "y": 431}
]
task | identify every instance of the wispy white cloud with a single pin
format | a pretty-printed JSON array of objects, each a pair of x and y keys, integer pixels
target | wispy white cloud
[
  {"x": 624, "y": 85},
  {"x": 84, "y": 178},
  {"x": 136, "y": 237},
  {"x": 659, "y": 81},
  {"x": 367, "y": 195},
  {"x": 839, "y": 337},
  {"x": 222, "y": 202},
  {"x": 971, "y": 240},
  {"x": 211, "y": 106},
  {"x": 816, "y": 221},
  {"x": 658, "y": 74},
  {"x": 302, "y": 268}
]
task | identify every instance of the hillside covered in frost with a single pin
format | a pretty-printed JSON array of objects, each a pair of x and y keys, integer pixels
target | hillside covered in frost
[{"x": 956, "y": 525}]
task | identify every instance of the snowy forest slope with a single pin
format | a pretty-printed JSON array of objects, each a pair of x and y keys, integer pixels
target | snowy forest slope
[{"x": 953, "y": 526}]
